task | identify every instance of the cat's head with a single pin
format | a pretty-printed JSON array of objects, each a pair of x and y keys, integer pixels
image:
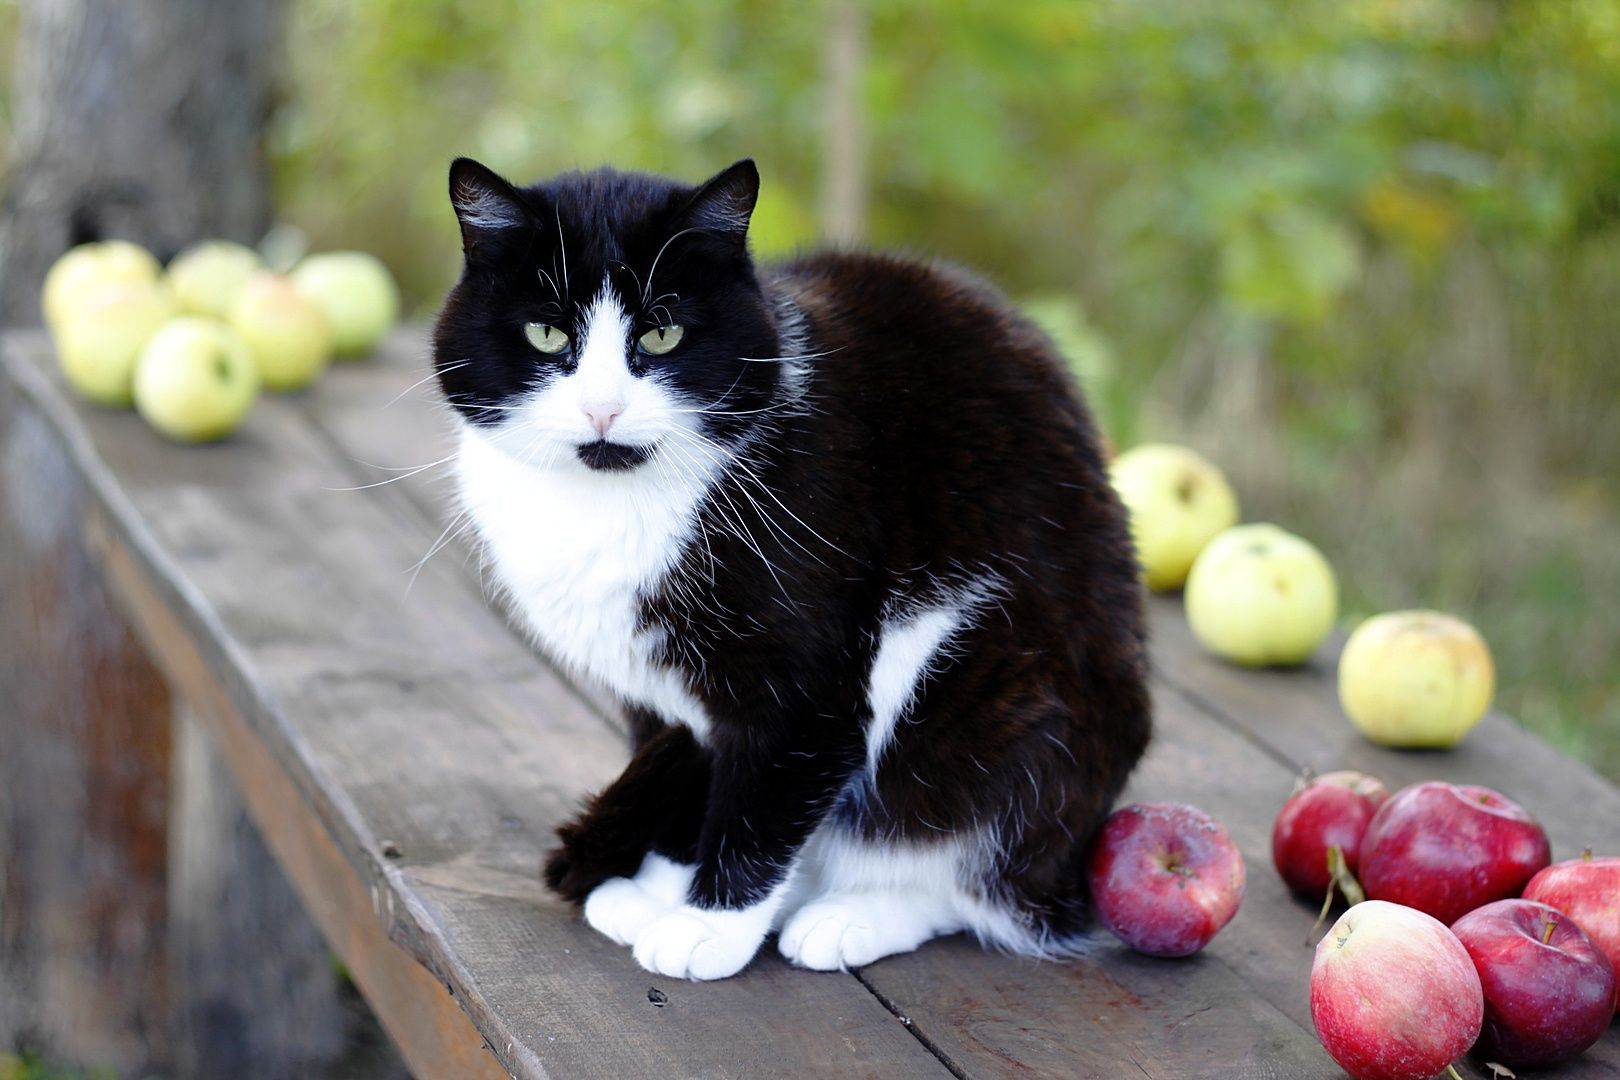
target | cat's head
[{"x": 605, "y": 317}]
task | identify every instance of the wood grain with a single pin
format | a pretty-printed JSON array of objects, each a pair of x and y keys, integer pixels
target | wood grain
[
  {"x": 414, "y": 720},
  {"x": 987, "y": 1014},
  {"x": 1294, "y": 716},
  {"x": 416, "y": 717}
]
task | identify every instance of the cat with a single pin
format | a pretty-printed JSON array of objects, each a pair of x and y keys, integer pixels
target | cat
[{"x": 839, "y": 536}]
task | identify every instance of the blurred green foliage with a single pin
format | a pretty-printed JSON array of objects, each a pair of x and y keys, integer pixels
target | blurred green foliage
[
  {"x": 29, "y": 1067},
  {"x": 1363, "y": 253}
]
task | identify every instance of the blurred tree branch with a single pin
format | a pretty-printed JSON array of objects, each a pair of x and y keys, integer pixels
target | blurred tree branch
[
  {"x": 140, "y": 119},
  {"x": 843, "y": 193}
]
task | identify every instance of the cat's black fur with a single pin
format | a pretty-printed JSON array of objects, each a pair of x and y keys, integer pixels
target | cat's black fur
[{"x": 938, "y": 440}]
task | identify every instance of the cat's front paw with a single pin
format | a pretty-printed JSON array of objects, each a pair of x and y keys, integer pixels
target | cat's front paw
[
  {"x": 829, "y": 936},
  {"x": 620, "y": 908},
  {"x": 700, "y": 943},
  {"x": 854, "y": 929}
]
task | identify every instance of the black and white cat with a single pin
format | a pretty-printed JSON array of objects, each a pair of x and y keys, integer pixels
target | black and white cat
[{"x": 837, "y": 533}]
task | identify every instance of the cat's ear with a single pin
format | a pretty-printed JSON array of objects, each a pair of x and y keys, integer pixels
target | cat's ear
[
  {"x": 487, "y": 206},
  {"x": 723, "y": 204}
]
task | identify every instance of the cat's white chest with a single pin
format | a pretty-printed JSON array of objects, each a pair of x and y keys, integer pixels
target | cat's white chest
[{"x": 575, "y": 552}]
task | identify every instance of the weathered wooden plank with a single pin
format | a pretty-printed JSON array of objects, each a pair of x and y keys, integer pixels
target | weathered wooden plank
[
  {"x": 355, "y": 715},
  {"x": 1215, "y": 1015},
  {"x": 1293, "y": 717},
  {"x": 1104, "y": 1015},
  {"x": 992, "y": 1015},
  {"x": 423, "y": 1019}
]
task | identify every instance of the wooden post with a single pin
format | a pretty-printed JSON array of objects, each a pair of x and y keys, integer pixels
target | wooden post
[
  {"x": 256, "y": 989},
  {"x": 144, "y": 927},
  {"x": 84, "y": 766},
  {"x": 140, "y": 119}
]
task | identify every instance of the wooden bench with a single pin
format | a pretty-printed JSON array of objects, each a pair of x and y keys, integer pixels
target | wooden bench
[{"x": 405, "y": 756}]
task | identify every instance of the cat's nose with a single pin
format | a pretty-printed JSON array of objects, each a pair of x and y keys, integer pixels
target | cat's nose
[{"x": 601, "y": 414}]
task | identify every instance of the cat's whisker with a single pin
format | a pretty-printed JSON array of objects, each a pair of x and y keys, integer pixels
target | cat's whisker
[
  {"x": 766, "y": 519},
  {"x": 550, "y": 281},
  {"x": 651, "y": 273},
  {"x": 745, "y": 535},
  {"x": 405, "y": 473},
  {"x": 637, "y": 280},
  {"x": 458, "y": 525},
  {"x": 754, "y": 476},
  {"x": 429, "y": 376},
  {"x": 486, "y": 408},
  {"x": 562, "y": 246},
  {"x": 788, "y": 359},
  {"x": 741, "y": 412},
  {"x": 665, "y": 467}
]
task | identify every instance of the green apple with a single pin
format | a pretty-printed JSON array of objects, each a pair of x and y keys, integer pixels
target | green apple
[
  {"x": 356, "y": 293},
  {"x": 79, "y": 273},
  {"x": 101, "y": 336},
  {"x": 207, "y": 277},
  {"x": 195, "y": 380},
  {"x": 1259, "y": 596},
  {"x": 1416, "y": 678},
  {"x": 284, "y": 330},
  {"x": 1178, "y": 501}
]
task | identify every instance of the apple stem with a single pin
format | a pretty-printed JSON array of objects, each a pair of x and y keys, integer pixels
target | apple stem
[
  {"x": 1586, "y": 855},
  {"x": 1454, "y": 1074},
  {"x": 1321, "y": 916},
  {"x": 1547, "y": 931}
]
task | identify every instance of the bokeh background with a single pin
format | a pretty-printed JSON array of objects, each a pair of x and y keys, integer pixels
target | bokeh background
[{"x": 1365, "y": 254}]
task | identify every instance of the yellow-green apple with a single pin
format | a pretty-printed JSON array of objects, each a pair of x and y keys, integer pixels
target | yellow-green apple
[
  {"x": 207, "y": 277},
  {"x": 1394, "y": 995},
  {"x": 1178, "y": 502},
  {"x": 284, "y": 330},
  {"x": 102, "y": 333},
  {"x": 80, "y": 273},
  {"x": 195, "y": 380},
  {"x": 1416, "y": 678},
  {"x": 1586, "y": 889},
  {"x": 357, "y": 295},
  {"x": 1447, "y": 849},
  {"x": 1164, "y": 877},
  {"x": 1259, "y": 596},
  {"x": 1549, "y": 991},
  {"x": 1328, "y": 811}
]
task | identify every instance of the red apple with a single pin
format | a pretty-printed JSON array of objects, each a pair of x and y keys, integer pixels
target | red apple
[
  {"x": 1446, "y": 849},
  {"x": 1588, "y": 891},
  {"x": 1329, "y": 811},
  {"x": 1549, "y": 991},
  {"x": 1394, "y": 995},
  {"x": 1165, "y": 877}
]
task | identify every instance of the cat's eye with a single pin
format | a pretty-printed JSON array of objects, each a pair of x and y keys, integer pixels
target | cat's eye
[
  {"x": 548, "y": 339},
  {"x": 660, "y": 341}
]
